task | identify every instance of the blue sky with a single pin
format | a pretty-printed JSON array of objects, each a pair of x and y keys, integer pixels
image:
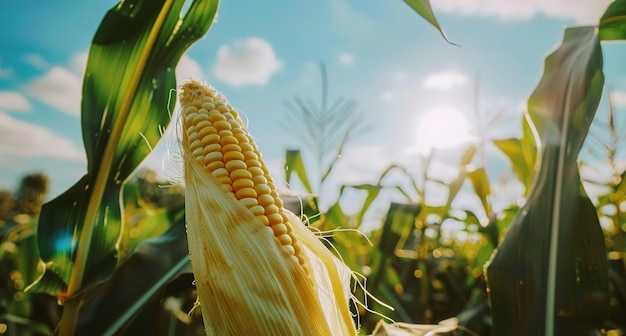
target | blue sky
[{"x": 378, "y": 52}]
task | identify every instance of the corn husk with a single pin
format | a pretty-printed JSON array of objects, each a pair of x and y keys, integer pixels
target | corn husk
[{"x": 247, "y": 284}]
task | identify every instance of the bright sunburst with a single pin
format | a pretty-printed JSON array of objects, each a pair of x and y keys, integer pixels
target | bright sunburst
[{"x": 443, "y": 127}]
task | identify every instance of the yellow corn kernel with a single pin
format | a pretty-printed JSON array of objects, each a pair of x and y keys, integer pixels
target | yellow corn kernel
[
  {"x": 212, "y": 148},
  {"x": 266, "y": 200},
  {"x": 215, "y": 165},
  {"x": 233, "y": 165},
  {"x": 242, "y": 183}
]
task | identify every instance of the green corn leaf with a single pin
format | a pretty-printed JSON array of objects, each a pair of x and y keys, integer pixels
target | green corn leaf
[
  {"x": 439, "y": 210},
  {"x": 384, "y": 279},
  {"x": 334, "y": 218},
  {"x": 471, "y": 218},
  {"x": 372, "y": 192},
  {"x": 480, "y": 182},
  {"x": 549, "y": 275},
  {"x": 380, "y": 284},
  {"x": 404, "y": 193},
  {"x": 115, "y": 303},
  {"x": 522, "y": 153},
  {"x": 455, "y": 186},
  {"x": 398, "y": 225},
  {"x": 529, "y": 145},
  {"x": 613, "y": 22},
  {"x": 26, "y": 326},
  {"x": 468, "y": 156},
  {"x": 126, "y": 99},
  {"x": 414, "y": 185},
  {"x": 294, "y": 164},
  {"x": 425, "y": 10},
  {"x": 491, "y": 230},
  {"x": 386, "y": 294},
  {"x": 150, "y": 223},
  {"x": 513, "y": 149}
]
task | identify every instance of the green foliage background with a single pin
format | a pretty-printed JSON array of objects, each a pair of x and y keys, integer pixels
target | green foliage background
[{"x": 109, "y": 256}]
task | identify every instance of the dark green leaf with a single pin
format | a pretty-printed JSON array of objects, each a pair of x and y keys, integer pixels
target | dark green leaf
[
  {"x": 556, "y": 237},
  {"x": 151, "y": 223},
  {"x": 381, "y": 283},
  {"x": 425, "y": 10},
  {"x": 26, "y": 326},
  {"x": 397, "y": 227},
  {"x": 126, "y": 98},
  {"x": 613, "y": 22},
  {"x": 136, "y": 281}
]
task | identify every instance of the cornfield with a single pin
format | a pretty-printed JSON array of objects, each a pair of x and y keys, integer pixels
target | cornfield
[{"x": 228, "y": 253}]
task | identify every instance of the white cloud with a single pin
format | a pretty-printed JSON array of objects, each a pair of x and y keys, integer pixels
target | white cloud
[
  {"x": 581, "y": 11},
  {"x": 13, "y": 101},
  {"x": 36, "y": 61},
  {"x": 444, "y": 80},
  {"x": 59, "y": 88},
  {"x": 346, "y": 58},
  {"x": 250, "y": 61},
  {"x": 618, "y": 98},
  {"x": 78, "y": 63},
  {"x": 23, "y": 140},
  {"x": 188, "y": 68}
]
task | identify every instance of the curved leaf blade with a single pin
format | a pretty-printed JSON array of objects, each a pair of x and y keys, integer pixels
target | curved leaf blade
[
  {"x": 425, "y": 10},
  {"x": 558, "y": 220},
  {"x": 512, "y": 148},
  {"x": 613, "y": 22},
  {"x": 480, "y": 182},
  {"x": 372, "y": 192},
  {"x": 399, "y": 224},
  {"x": 294, "y": 164},
  {"x": 126, "y": 98}
]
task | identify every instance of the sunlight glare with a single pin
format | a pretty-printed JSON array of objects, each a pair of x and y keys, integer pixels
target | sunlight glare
[{"x": 443, "y": 127}]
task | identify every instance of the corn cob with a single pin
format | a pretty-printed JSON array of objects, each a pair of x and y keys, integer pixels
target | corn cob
[
  {"x": 258, "y": 269},
  {"x": 219, "y": 141}
]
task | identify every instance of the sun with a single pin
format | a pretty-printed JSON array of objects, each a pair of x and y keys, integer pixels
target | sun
[{"x": 443, "y": 127}]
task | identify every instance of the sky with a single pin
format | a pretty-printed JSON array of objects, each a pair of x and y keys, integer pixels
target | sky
[{"x": 403, "y": 75}]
